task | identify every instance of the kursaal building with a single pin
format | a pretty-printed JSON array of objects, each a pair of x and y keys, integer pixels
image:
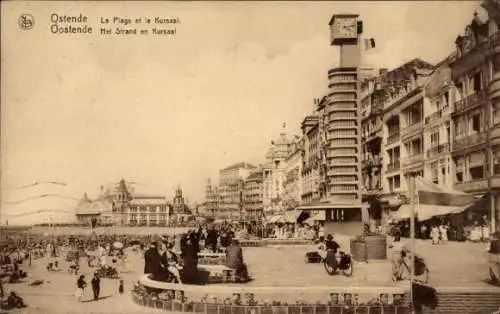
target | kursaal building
[{"x": 121, "y": 205}]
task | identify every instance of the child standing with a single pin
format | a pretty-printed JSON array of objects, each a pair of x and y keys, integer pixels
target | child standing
[
  {"x": 80, "y": 286},
  {"x": 120, "y": 287}
]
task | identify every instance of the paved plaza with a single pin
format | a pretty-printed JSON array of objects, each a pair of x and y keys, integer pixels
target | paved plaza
[{"x": 452, "y": 264}]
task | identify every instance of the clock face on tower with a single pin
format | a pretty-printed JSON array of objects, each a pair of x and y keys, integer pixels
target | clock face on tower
[{"x": 345, "y": 27}]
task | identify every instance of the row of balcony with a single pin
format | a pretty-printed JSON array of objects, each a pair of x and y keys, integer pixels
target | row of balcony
[
  {"x": 470, "y": 102},
  {"x": 434, "y": 117},
  {"x": 469, "y": 141},
  {"x": 393, "y": 138},
  {"x": 437, "y": 115},
  {"x": 375, "y": 161},
  {"x": 412, "y": 128},
  {"x": 394, "y": 165},
  {"x": 401, "y": 93},
  {"x": 414, "y": 158},
  {"x": 437, "y": 150}
]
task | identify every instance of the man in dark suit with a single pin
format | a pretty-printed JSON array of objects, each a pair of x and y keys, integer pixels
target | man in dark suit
[
  {"x": 190, "y": 258},
  {"x": 96, "y": 286},
  {"x": 211, "y": 240},
  {"x": 151, "y": 259}
]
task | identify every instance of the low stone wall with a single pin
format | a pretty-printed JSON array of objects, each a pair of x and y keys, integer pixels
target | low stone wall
[
  {"x": 229, "y": 299},
  {"x": 211, "y": 308},
  {"x": 455, "y": 300}
]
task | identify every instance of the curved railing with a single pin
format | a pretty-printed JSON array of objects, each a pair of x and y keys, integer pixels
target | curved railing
[
  {"x": 265, "y": 242},
  {"x": 219, "y": 299}
]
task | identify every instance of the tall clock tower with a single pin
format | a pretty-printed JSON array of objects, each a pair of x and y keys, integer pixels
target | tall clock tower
[
  {"x": 344, "y": 33},
  {"x": 345, "y": 212}
]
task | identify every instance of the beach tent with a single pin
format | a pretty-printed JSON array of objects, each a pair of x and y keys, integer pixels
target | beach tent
[{"x": 434, "y": 200}]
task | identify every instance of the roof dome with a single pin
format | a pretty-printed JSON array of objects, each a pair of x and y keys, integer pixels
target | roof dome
[{"x": 282, "y": 140}]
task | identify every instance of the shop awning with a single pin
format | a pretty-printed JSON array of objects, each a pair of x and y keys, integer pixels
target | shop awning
[
  {"x": 435, "y": 200},
  {"x": 433, "y": 194},
  {"x": 321, "y": 216},
  {"x": 425, "y": 212},
  {"x": 291, "y": 216},
  {"x": 273, "y": 219}
]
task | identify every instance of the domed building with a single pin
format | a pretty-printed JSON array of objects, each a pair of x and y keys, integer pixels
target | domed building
[{"x": 274, "y": 174}]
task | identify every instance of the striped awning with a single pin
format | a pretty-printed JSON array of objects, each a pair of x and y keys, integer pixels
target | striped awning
[
  {"x": 321, "y": 216},
  {"x": 435, "y": 200},
  {"x": 432, "y": 194},
  {"x": 425, "y": 212}
]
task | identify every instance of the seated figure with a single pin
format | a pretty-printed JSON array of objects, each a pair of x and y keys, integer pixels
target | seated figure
[
  {"x": 15, "y": 302},
  {"x": 173, "y": 265}
]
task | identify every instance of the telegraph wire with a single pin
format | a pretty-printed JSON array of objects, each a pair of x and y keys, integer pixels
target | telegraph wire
[
  {"x": 40, "y": 196},
  {"x": 38, "y": 183}
]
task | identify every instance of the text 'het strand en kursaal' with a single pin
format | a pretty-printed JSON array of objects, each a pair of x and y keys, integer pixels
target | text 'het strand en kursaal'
[{"x": 79, "y": 24}]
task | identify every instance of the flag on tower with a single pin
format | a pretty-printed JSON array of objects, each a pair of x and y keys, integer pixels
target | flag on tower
[{"x": 369, "y": 43}]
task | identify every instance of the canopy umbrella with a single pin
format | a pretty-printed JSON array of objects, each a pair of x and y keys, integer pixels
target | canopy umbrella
[
  {"x": 434, "y": 200},
  {"x": 272, "y": 219},
  {"x": 291, "y": 216},
  {"x": 318, "y": 217}
]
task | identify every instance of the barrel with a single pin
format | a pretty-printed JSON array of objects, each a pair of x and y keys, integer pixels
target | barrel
[
  {"x": 376, "y": 247},
  {"x": 358, "y": 250}
]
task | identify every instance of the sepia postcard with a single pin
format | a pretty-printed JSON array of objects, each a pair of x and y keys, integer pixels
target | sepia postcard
[{"x": 250, "y": 157}]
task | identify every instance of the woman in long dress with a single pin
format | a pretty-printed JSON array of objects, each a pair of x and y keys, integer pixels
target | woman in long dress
[
  {"x": 435, "y": 234},
  {"x": 443, "y": 231}
]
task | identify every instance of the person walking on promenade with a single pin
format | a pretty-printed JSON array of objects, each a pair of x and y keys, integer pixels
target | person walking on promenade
[
  {"x": 80, "y": 287},
  {"x": 435, "y": 234},
  {"x": 443, "y": 232},
  {"x": 120, "y": 287},
  {"x": 96, "y": 286}
]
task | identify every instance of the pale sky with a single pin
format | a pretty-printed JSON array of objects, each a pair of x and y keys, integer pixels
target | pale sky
[{"x": 88, "y": 110}]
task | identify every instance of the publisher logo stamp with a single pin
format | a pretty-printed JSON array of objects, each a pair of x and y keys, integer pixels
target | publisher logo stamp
[{"x": 26, "y": 22}]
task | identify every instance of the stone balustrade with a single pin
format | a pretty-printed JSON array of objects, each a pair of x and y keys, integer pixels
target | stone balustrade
[{"x": 263, "y": 300}]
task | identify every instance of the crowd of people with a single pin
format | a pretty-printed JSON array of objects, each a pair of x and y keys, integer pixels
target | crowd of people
[
  {"x": 440, "y": 230},
  {"x": 294, "y": 231},
  {"x": 176, "y": 258}
]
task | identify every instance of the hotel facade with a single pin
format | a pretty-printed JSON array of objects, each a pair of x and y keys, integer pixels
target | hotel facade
[
  {"x": 121, "y": 205},
  {"x": 365, "y": 137}
]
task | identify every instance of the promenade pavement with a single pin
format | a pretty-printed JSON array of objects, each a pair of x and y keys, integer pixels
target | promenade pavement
[{"x": 451, "y": 264}]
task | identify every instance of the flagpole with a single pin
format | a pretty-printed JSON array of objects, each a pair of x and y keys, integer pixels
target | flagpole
[{"x": 413, "y": 193}]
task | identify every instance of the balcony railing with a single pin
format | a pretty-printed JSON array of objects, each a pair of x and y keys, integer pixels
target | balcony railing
[
  {"x": 394, "y": 165},
  {"x": 470, "y": 101},
  {"x": 378, "y": 108},
  {"x": 468, "y": 141},
  {"x": 413, "y": 159},
  {"x": 414, "y": 127},
  {"x": 393, "y": 138},
  {"x": 375, "y": 161},
  {"x": 433, "y": 117},
  {"x": 473, "y": 185},
  {"x": 439, "y": 149},
  {"x": 400, "y": 94}
]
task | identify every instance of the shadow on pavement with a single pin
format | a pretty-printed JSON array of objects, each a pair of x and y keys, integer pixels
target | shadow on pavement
[{"x": 100, "y": 298}]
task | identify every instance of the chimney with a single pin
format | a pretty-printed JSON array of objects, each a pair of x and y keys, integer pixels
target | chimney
[{"x": 383, "y": 71}]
